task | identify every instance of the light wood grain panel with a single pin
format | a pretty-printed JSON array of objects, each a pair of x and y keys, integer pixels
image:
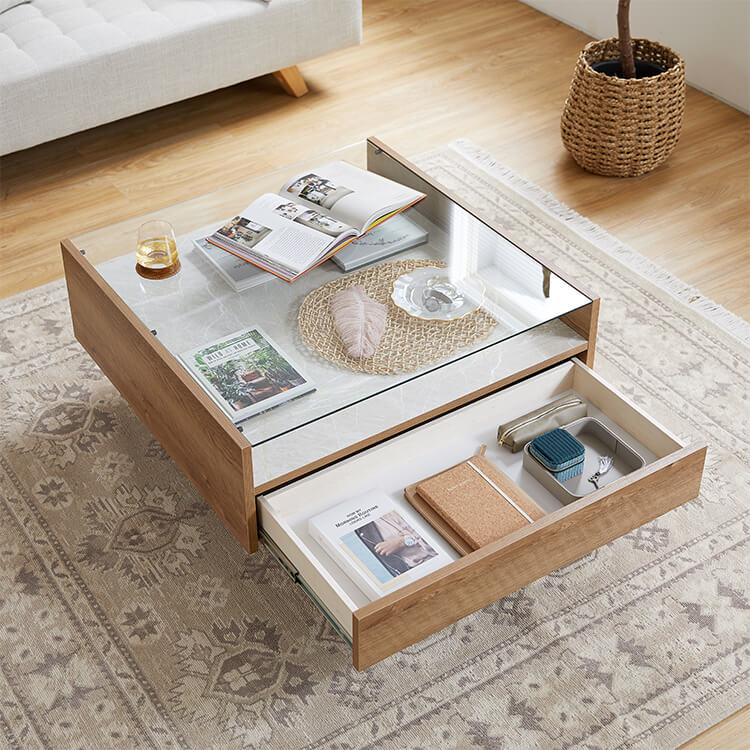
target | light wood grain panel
[
  {"x": 424, "y": 607},
  {"x": 733, "y": 733},
  {"x": 468, "y": 70},
  {"x": 216, "y": 458},
  {"x": 585, "y": 321}
]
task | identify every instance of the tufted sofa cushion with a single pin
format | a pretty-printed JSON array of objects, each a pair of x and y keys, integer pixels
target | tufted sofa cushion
[
  {"x": 66, "y": 65},
  {"x": 6, "y": 4}
]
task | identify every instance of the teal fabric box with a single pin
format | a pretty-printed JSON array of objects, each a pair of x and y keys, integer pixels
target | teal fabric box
[{"x": 559, "y": 453}]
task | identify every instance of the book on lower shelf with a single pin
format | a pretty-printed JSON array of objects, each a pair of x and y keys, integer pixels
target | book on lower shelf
[
  {"x": 246, "y": 373},
  {"x": 238, "y": 273},
  {"x": 380, "y": 546},
  {"x": 397, "y": 234},
  {"x": 313, "y": 216}
]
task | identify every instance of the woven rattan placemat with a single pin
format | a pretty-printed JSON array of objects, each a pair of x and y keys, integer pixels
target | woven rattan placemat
[{"x": 407, "y": 344}]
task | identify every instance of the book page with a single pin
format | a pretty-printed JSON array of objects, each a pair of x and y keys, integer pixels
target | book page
[
  {"x": 310, "y": 218},
  {"x": 349, "y": 194},
  {"x": 264, "y": 232}
]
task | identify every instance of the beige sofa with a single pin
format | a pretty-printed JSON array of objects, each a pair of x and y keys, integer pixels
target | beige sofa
[{"x": 68, "y": 65}]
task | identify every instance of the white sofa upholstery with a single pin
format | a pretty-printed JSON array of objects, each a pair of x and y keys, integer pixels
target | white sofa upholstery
[{"x": 67, "y": 65}]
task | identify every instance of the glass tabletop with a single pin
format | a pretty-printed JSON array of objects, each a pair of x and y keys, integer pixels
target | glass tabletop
[{"x": 484, "y": 271}]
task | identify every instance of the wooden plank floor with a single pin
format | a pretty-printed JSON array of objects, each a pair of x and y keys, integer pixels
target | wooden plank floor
[
  {"x": 430, "y": 71},
  {"x": 493, "y": 71}
]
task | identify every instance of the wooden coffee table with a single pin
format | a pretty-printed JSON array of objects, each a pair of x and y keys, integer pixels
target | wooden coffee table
[{"x": 357, "y": 431}]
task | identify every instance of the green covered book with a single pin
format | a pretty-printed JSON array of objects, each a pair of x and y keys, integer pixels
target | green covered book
[{"x": 246, "y": 373}]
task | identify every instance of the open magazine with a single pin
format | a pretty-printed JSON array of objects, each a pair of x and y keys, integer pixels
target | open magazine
[
  {"x": 246, "y": 373},
  {"x": 314, "y": 215},
  {"x": 381, "y": 547}
]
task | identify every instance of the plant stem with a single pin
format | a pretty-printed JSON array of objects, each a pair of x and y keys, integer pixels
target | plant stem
[{"x": 626, "y": 43}]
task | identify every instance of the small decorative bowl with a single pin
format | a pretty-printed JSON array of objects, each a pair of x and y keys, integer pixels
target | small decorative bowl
[{"x": 429, "y": 293}]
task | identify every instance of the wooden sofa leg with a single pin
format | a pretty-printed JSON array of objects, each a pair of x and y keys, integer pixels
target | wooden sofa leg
[{"x": 291, "y": 81}]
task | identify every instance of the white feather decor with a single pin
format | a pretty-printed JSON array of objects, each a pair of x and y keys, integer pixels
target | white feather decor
[{"x": 359, "y": 321}]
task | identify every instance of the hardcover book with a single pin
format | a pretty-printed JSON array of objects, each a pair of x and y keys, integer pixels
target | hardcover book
[
  {"x": 246, "y": 373},
  {"x": 397, "y": 234},
  {"x": 381, "y": 547}
]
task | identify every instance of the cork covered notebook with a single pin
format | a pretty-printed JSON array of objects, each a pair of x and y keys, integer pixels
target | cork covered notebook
[{"x": 478, "y": 501}]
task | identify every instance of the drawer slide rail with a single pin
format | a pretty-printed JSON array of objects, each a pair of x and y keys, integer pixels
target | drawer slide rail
[{"x": 293, "y": 573}]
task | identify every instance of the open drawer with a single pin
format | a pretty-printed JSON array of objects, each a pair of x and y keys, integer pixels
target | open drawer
[{"x": 671, "y": 476}]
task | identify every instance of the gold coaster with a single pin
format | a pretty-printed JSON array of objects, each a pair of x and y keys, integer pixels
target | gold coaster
[{"x": 158, "y": 273}]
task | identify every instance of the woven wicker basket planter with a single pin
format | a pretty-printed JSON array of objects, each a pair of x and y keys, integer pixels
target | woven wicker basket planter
[{"x": 624, "y": 126}]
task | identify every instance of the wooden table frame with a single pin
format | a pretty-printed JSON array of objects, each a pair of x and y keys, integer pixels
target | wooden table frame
[{"x": 171, "y": 404}]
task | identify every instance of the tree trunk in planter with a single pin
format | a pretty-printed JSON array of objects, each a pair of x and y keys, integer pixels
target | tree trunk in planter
[
  {"x": 624, "y": 127},
  {"x": 626, "y": 42}
]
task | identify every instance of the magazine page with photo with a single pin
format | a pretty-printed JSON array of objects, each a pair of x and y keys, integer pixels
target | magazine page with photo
[
  {"x": 235, "y": 271},
  {"x": 313, "y": 219},
  {"x": 281, "y": 237},
  {"x": 246, "y": 373},
  {"x": 352, "y": 195},
  {"x": 380, "y": 546},
  {"x": 306, "y": 220},
  {"x": 314, "y": 215}
]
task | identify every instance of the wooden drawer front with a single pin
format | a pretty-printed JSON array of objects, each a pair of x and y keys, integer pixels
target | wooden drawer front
[
  {"x": 216, "y": 458},
  {"x": 378, "y": 629},
  {"x": 416, "y": 611}
]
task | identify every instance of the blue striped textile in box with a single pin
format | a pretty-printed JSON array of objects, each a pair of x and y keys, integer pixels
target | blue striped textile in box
[{"x": 559, "y": 452}]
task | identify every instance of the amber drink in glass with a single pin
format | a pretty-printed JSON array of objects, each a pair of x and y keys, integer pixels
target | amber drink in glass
[{"x": 156, "y": 255}]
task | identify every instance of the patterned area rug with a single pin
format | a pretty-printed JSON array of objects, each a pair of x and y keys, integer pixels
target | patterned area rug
[{"x": 129, "y": 618}]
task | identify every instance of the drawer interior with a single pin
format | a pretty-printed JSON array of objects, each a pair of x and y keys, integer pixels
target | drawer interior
[{"x": 428, "y": 449}]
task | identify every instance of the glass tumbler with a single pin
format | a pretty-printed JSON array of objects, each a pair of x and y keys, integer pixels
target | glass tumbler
[{"x": 156, "y": 255}]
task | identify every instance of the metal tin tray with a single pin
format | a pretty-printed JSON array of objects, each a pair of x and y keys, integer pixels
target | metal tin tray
[{"x": 598, "y": 440}]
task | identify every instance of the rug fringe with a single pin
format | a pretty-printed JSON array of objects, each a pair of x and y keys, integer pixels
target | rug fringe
[{"x": 652, "y": 272}]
